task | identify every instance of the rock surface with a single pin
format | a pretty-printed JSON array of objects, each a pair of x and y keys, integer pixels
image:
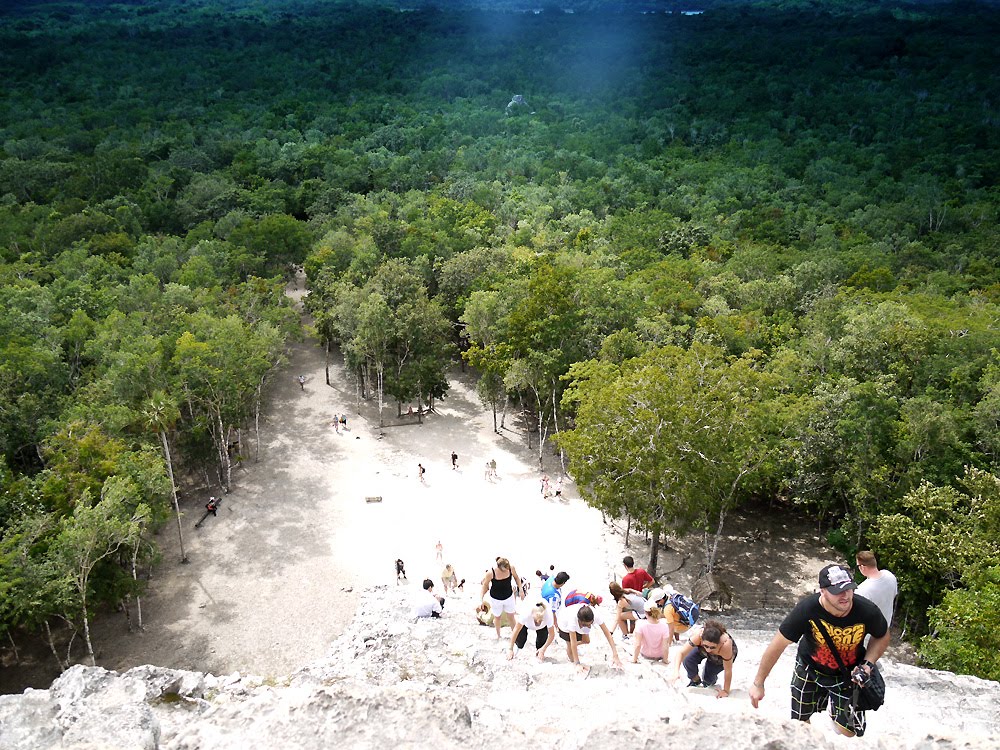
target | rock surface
[{"x": 392, "y": 682}]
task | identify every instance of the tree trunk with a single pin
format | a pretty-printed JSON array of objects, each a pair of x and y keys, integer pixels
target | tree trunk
[
  {"x": 17, "y": 657},
  {"x": 381, "y": 403},
  {"x": 223, "y": 450},
  {"x": 326, "y": 356},
  {"x": 69, "y": 647},
  {"x": 541, "y": 443},
  {"x": 256, "y": 422},
  {"x": 357, "y": 390},
  {"x": 654, "y": 553},
  {"x": 173, "y": 491},
  {"x": 52, "y": 646},
  {"x": 555, "y": 427},
  {"x": 86, "y": 631},
  {"x": 135, "y": 577},
  {"x": 628, "y": 527},
  {"x": 713, "y": 550}
]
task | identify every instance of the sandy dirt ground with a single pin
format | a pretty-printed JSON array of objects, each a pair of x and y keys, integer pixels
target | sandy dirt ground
[{"x": 274, "y": 578}]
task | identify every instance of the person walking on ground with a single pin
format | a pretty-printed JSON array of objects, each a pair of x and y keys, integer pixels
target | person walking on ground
[
  {"x": 879, "y": 586},
  {"x": 652, "y": 636},
  {"x": 817, "y": 680},
  {"x": 454, "y": 461},
  {"x": 439, "y": 551},
  {"x": 449, "y": 580},
  {"x": 709, "y": 643},
  {"x": 493, "y": 468},
  {"x": 635, "y": 579},
  {"x": 400, "y": 570},
  {"x": 500, "y": 583},
  {"x": 559, "y": 483},
  {"x": 539, "y": 620},
  {"x": 575, "y": 623},
  {"x": 420, "y": 473},
  {"x": 302, "y": 382}
]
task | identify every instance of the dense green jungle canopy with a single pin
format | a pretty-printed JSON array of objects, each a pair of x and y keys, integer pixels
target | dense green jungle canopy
[{"x": 743, "y": 257}]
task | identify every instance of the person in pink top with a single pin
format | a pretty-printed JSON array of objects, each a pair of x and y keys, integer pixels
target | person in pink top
[{"x": 652, "y": 636}]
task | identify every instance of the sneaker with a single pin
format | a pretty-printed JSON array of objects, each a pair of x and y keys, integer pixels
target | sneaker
[
  {"x": 695, "y": 683},
  {"x": 626, "y": 637},
  {"x": 709, "y": 684}
]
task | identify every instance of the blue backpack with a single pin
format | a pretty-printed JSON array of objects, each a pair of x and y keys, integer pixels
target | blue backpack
[{"x": 686, "y": 609}]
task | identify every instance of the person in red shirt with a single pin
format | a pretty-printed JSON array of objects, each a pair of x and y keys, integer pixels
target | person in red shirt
[{"x": 635, "y": 578}]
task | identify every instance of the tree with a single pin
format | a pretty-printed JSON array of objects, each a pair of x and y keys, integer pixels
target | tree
[
  {"x": 88, "y": 536},
  {"x": 940, "y": 539},
  {"x": 964, "y": 627},
  {"x": 27, "y": 594},
  {"x": 842, "y": 448},
  {"x": 279, "y": 238},
  {"x": 371, "y": 343},
  {"x": 219, "y": 367},
  {"x": 671, "y": 437},
  {"x": 483, "y": 320},
  {"x": 160, "y": 415},
  {"x": 392, "y": 334}
]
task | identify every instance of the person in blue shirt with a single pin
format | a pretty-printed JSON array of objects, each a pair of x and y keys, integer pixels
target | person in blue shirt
[{"x": 552, "y": 590}]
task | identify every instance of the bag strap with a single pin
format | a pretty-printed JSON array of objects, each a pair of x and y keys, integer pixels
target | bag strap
[
  {"x": 821, "y": 626},
  {"x": 829, "y": 642}
]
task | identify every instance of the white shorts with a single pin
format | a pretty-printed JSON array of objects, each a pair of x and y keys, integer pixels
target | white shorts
[{"x": 499, "y": 606}]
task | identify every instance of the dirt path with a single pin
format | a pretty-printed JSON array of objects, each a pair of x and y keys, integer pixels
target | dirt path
[{"x": 273, "y": 580}]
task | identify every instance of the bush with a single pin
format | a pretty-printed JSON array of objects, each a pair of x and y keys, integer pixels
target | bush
[{"x": 964, "y": 629}]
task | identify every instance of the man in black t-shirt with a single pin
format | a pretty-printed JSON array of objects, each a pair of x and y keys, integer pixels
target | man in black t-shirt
[{"x": 817, "y": 680}]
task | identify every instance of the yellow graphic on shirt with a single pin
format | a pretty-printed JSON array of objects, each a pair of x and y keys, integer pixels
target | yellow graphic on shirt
[{"x": 847, "y": 640}]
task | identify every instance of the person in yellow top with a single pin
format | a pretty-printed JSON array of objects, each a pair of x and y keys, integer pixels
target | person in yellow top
[{"x": 675, "y": 625}]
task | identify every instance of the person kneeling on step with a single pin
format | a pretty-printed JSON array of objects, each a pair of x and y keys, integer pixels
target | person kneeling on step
[{"x": 709, "y": 643}]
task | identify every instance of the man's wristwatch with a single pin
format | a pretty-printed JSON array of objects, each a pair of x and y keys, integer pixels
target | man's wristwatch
[{"x": 869, "y": 664}]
